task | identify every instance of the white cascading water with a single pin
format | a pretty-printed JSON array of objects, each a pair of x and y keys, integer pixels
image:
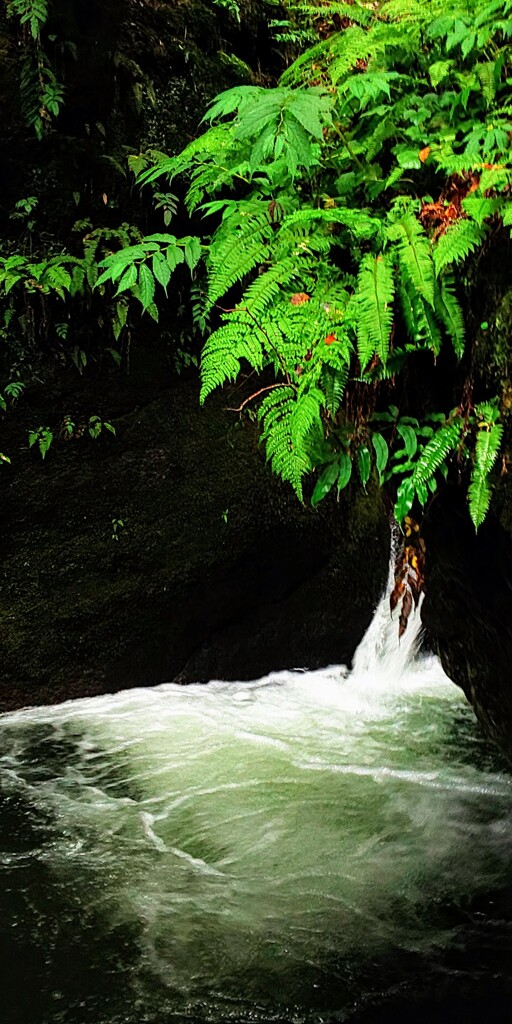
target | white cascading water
[{"x": 249, "y": 851}]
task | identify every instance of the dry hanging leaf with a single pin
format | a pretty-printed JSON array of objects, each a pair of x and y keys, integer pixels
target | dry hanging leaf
[{"x": 409, "y": 574}]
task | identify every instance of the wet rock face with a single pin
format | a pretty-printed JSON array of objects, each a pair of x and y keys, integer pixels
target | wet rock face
[
  {"x": 468, "y": 608},
  {"x": 218, "y": 570}
]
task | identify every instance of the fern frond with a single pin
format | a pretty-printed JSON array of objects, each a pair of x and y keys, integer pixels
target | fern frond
[
  {"x": 449, "y": 311},
  {"x": 305, "y": 416},
  {"x": 236, "y": 254},
  {"x": 356, "y": 12},
  {"x": 375, "y": 293},
  {"x": 223, "y": 350},
  {"x": 457, "y": 243},
  {"x": 435, "y": 453},
  {"x": 207, "y": 179},
  {"x": 428, "y": 326},
  {"x": 334, "y": 382},
  {"x": 302, "y": 70},
  {"x": 479, "y": 497},
  {"x": 487, "y": 448},
  {"x": 212, "y": 144},
  {"x": 351, "y": 46},
  {"x": 290, "y": 463},
  {"x": 412, "y": 10},
  {"x": 420, "y": 320},
  {"x": 267, "y": 286},
  {"x": 414, "y": 255},
  {"x": 479, "y": 208},
  {"x": 358, "y": 221},
  {"x": 486, "y": 72}
]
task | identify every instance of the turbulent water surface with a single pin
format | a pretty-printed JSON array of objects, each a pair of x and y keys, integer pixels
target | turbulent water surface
[{"x": 313, "y": 846}]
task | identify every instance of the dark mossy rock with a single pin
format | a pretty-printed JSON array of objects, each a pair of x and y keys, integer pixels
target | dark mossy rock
[
  {"x": 468, "y": 604},
  {"x": 218, "y": 571}
]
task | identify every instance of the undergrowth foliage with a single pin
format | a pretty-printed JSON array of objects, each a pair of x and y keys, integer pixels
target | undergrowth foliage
[
  {"x": 41, "y": 93},
  {"x": 339, "y": 210},
  {"x": 343, "y": 204}
]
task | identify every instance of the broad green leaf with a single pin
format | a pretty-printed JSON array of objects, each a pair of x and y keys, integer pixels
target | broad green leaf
[
  {"x": 146, "y": 286},
  {"x": 408, "y": 435},
  {"x": 381, "y": 453},
  {"x": 161, "y": 269},
  {"x": 345, "y": 470},
  {"x": 192, "y": 252},
  {"x": 325, "y": 482},
  {"x": 127, "y": 281},
  {"x": 404, "y": 499}
]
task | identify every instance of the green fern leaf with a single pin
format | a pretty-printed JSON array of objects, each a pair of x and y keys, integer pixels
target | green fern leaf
[
  {"x": 479, "y": 495},
  {"x": 428, "y": 326},
  {"x": 414, "y": 255},
  {"x": 267, "y": 286},
  {"x": 479, "y": 208},
  {"x": 449, "y": 311},
  {"x": 351, "y": 46},
  {"x": 334, "y": 382},
  {"x": 487, "y": 448},
  {"x": 457, "y": 243},
  {"x": 223, "y": 350},
  {"x": 276, "y": 412},
  {"x": 375, "y": 307},
  {"x": 305, "y": 416},
  {"x": 436, "y": 452},
  {"x": 237, "y": 253}
]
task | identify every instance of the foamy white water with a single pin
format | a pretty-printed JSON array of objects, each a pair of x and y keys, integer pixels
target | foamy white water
[{"x": 247, "y": 850}]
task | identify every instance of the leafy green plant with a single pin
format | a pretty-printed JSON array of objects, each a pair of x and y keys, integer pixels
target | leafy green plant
[
  {"x": 11, "y": 391},
  {"x": 231, "y": 6},
  {"x": 45, "y": 296},
  {"x": 339, "y": 209},
  {"x": 23, "y": 209},
  {"x": 41, "y": 94},
  {"x": 43, "y": 438},
  {"x": 487, "y": 445},
  {"x": 117, "y": 527},
  {"x": 96, "y": 426},
  {"x": 138, "y": 269},
  {"x": 168, "y": 203}
]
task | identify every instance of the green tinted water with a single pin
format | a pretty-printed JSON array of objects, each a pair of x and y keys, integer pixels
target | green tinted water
[{"x": 298, "y": 848}]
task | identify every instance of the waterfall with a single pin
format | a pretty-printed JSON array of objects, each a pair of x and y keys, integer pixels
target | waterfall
[{"x": 381, "y": 654}]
